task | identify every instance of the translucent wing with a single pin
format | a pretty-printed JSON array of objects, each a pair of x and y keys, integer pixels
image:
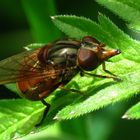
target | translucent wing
[
  {"x": 10, "y": 67},
  {"x": 24, "y": 66}
]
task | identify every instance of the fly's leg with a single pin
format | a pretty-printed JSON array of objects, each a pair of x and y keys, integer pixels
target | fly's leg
[
  {"x": 45, "y": 112},
  {"x": 100, "y": 76},
  {"x": 107, "y": 71}
]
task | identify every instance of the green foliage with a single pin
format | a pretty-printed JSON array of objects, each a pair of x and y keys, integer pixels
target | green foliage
[
  {"x": 97, "y": 92},
  {"x": 133, "y": 112},
  {"x": 106, "y": 32},
  {"x": 18, "y": 117},
  {"x": 125, "y": 65},
  {"x": 129, "y": 10}
]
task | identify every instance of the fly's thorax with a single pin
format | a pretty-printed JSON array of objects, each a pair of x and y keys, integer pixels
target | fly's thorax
[
  {"x": 69, "y": 73},
  {"x": 65, "y": 56},
  {"x": 64, "y": 53}
]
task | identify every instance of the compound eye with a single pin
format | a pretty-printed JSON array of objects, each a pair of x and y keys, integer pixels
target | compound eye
[{"x": 87, "y": 59}]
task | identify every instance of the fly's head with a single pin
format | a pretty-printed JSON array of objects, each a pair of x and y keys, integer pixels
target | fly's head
[{"x": 92, "y": 53}]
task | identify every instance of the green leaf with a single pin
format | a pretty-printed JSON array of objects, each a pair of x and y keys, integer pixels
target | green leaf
[
  {"x": 133, "y": 112},
  {"x": 102, "y": 92},
  {"x": 34, "y": 46},
  {"x": 97, "y": 93},
  {"x": 106, "y": 32},
  {"x": 129, "y": 10},
  {"x": 18, "y": 117},
  {"x": 12, "y": 87},
  {"x": 71, "y": 26},
  {"x": 126, "y": 44}
]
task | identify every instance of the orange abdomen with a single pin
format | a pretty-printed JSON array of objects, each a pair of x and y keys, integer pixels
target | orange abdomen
[{"x": 37, "y": 89}]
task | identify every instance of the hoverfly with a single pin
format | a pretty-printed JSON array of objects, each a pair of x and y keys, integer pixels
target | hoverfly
[{"x": 39, "y": 72}]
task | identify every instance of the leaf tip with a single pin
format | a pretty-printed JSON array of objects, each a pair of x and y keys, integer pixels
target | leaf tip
[
  {"x": 55, "y": 118},
  {"x": 125, "y": 116},
  {"x": 52, "y": 17},
  {"x": 27, "y": 48}
]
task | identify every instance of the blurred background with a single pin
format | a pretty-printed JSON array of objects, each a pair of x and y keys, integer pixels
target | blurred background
[{"x": 23, "y": 22}]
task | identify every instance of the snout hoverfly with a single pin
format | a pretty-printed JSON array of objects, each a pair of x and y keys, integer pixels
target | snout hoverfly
[{"x": 39, "y": 72}]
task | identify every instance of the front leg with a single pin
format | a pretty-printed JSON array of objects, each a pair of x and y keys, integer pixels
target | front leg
[
  {"x": 82, "y": 73},
  {"x": 107, "y": 71}
]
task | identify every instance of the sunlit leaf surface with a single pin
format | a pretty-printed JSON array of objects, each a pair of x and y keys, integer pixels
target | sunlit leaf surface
[
  {"x": 129, "y": 10},
  {"x": 97, "y": 92}
]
